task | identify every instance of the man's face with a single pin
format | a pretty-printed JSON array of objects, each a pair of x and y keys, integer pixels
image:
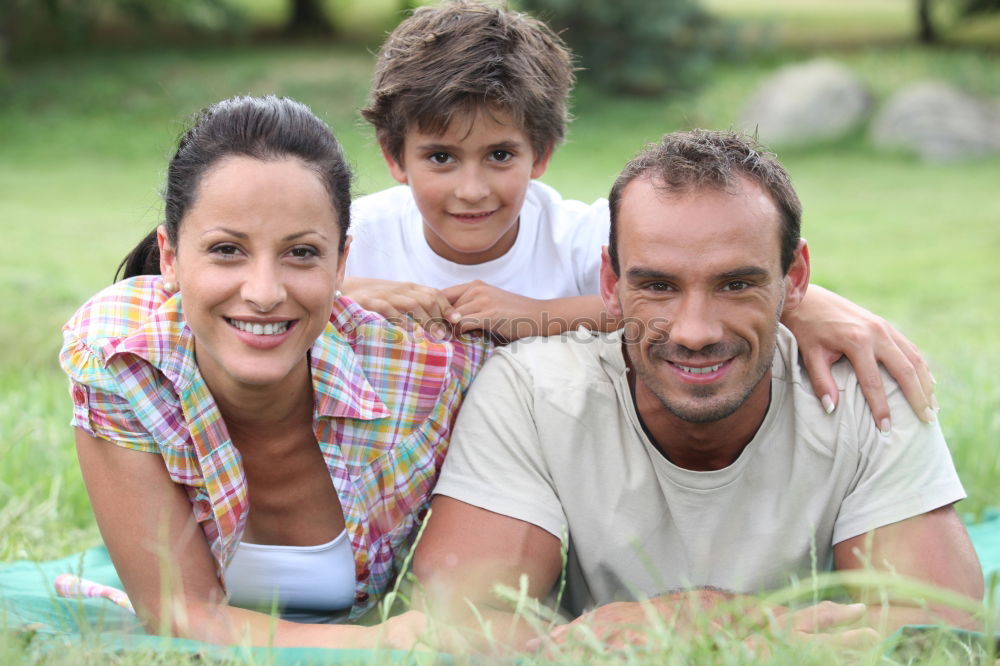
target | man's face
[{"x": 701, "y": 290}]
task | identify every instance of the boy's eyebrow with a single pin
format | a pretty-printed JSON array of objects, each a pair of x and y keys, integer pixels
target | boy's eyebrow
[{"x": 448, "y": 147}]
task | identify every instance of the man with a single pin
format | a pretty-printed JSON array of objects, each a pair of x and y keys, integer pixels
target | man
[{"x": 685, "y": 458}]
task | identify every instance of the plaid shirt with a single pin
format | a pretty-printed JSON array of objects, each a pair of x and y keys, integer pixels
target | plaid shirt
[{"x": 385, "y": 402}]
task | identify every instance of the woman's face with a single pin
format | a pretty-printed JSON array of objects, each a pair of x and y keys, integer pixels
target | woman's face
[{"x": 258, "y": 267}]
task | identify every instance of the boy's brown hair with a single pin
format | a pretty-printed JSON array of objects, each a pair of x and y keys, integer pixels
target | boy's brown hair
[{"x": 464, "y": 56}]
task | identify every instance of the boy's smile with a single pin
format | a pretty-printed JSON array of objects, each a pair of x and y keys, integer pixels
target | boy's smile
[{"x": 469, "y": 183}]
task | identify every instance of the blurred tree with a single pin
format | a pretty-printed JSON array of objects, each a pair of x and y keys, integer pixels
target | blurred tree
[
  {"x": 927, "y": 27},
  {"x": 926, "y": 31},
  {"x": 308, "y": 17},
  {"x": 635, "y": 46},
  {"x": 29, "y": 26}
]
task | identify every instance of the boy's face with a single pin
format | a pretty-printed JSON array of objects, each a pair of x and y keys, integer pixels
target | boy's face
[{"x": 469, "y": 183}]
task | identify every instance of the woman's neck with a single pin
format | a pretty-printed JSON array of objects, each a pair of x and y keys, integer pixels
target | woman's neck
[{"x": 262, "y": 410}]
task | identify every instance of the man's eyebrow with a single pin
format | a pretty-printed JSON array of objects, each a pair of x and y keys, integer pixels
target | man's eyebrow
[
  {"x": 641, "y": 273},
  {"x": 744, "y": 272},
  {"x": 741, "y": 273}
]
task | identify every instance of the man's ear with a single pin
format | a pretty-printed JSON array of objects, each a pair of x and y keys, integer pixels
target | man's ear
[
  {"x": 797, "y": 278},
  {"x": 609, "y": 285},
  {"x": 396, "y": 169},
  {"x": 168, "y": 255},
  {"x": 541, "y": 164}
]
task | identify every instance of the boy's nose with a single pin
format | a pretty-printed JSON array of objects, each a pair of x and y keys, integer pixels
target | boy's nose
[{"x": 472, "y": 187}]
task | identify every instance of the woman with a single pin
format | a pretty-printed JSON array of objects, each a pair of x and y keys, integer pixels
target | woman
[
  {"x": 228, "y": 355},
  {"x": 257, "y": 387}
]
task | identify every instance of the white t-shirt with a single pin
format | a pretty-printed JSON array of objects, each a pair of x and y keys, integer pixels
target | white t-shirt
[
  {"x": 549, "y": 434},
  {"x": 557, "y": 252}
]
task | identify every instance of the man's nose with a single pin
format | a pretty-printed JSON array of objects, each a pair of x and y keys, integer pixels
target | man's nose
[{"x": 695, "y": 323}]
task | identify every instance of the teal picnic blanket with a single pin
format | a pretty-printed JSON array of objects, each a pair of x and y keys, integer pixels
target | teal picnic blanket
[{"x": 28, "y": 602}]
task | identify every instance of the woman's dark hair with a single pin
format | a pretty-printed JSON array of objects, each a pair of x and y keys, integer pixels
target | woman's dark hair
[{"x": 265, "y": 128}]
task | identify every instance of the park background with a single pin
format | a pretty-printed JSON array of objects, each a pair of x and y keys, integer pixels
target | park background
[{"x": 94, "y": 93}]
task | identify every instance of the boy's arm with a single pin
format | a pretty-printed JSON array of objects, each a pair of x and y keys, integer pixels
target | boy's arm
[
  {"x": 511, "y": 316},
  {"x": 403, "y": 303}
]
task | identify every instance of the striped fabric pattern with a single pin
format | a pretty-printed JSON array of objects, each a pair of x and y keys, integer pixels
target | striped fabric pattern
[{"x": 385, "y": 402}]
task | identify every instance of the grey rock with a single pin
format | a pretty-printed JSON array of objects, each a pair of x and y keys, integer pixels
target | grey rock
[
  {"x": 819, "y": 100},
  {"x": 939, "y": 122}
]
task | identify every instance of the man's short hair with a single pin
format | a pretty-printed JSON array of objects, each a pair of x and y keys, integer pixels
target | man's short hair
[
  {"x": 466, "y": 56},
  {"x": 685, "y": 162}
]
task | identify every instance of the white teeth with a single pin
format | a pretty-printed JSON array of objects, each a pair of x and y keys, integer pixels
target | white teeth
[
  {"x": 699, "y": 371},
  {"x": 260, "y": 329}
]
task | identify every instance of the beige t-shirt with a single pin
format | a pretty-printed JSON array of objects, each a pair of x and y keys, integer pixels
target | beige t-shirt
[{"x": 549, "y": 434}]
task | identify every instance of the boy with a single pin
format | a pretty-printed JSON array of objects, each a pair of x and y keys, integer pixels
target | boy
[{"x": 468, "y": 102}]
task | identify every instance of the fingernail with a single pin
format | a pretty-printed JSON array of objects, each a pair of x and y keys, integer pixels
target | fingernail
[
  {"x": 858, "y": 606},
  {"x": 828, "y": 405},
  {"x": 437, "y": 331},
  {"x": 934, "y": 404},
  {"x": 929, "y": 415},
  {"x": 533, "y": 644},
  {"x": 933, "y": 381},
  {"x": 455, "y": 317},
  {"x": 885, "y": 427}
]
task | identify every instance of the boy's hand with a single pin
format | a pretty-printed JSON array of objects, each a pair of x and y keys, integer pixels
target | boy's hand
[
  {"x": 828, "y": 326},
  {"x": 491, "y": 309},
  {"x": 403, "y": 303}
]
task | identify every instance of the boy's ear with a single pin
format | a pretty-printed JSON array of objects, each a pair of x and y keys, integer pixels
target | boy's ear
[
  {"x": 541, "y": 164},
  {"x": 396, "y": 169}
]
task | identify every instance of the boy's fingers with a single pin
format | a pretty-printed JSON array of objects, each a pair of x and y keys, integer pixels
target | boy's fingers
[{"x": 455, "y": 292}]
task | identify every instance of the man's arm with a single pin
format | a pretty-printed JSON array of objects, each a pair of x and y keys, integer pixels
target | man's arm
[
  {"x": 932, "y": 548},
  {"x": 466, "y": 551}
]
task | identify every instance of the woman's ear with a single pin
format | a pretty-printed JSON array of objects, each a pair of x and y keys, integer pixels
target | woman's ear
[{"x": 168, "y": 255}]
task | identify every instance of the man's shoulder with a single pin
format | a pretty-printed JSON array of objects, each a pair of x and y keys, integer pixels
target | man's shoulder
[
  {"x": 852, "y": 413},
  {"x": 572, "y": 358}
]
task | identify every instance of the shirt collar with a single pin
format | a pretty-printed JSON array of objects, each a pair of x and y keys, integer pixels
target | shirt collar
[{"x": 164, "y": 340}]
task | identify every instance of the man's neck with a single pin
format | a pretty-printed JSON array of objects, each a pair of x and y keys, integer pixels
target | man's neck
[{"x": 701, "y": 447}]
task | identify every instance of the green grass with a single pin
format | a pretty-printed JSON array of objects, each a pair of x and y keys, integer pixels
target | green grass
[{"x": 84, "y": 142}]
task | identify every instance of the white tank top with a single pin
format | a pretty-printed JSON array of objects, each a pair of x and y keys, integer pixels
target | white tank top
[{"x": 305, "y": 583}]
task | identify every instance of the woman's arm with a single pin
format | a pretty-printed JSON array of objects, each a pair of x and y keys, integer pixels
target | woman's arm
[
  {"x": 167, "y": 569},
  {"x": 828, "y": 326}
]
